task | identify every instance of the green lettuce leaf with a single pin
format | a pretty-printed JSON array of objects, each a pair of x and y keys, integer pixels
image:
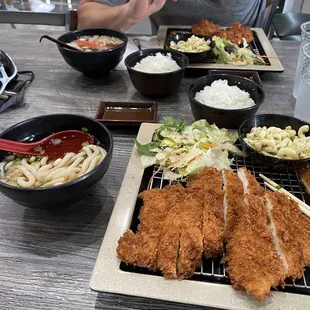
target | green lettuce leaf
[
  {"x": 170, "y": 125},
  {"x": 147, "y": 149}
]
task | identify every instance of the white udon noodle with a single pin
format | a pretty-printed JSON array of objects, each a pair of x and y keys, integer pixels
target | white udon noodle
[{"x": 44, "y": 172}]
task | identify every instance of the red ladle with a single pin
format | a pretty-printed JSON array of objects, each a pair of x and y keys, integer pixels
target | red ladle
[{"x": 53, "y": 146}]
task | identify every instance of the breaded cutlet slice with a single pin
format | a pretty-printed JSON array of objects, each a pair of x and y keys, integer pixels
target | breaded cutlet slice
[
  {"x": 168, "y": 245},
  {"x": 283, "y": 216},
  {"x": 191, "y": 239},
  {"x": 304, "y": 237},
  {"x": 156, "y": 203},
  {"x": 300, "y": 228},
  {"x": 141, "y": 248},
  {"x": 250, "y": 184},
  {"x": 180, "y": 246},
  {"x": 205, "y": 28},
  {"x": 138, "y": 249},
  {"x": 304, "y": 175},
  {"x": 210, "y": 182},
  {"x": 252, "y": 245},
  {"x": 253, "y": 262},
  {"x": 234, "y": 205}
]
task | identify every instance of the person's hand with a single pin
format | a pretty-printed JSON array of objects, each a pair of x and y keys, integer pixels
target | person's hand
[{"x": 140, "y": 9}]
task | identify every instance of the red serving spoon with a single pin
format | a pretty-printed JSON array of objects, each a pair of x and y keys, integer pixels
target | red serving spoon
[
  {"x": 59, "y": 42},
  {"x": 53, "y": 146}
]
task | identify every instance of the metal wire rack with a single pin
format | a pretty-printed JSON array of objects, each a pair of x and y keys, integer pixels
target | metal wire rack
[{"x": 213, "y": 270}]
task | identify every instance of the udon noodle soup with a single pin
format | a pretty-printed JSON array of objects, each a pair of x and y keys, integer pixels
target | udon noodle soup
[
  {"x": 96, "y": 43},
  {"x": 40, "y": 172}
]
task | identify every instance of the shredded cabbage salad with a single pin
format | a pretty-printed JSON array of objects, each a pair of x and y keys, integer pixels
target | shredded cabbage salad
[
  {"x": 182, "y": 151},
  {"x": 227, "y": 52}
]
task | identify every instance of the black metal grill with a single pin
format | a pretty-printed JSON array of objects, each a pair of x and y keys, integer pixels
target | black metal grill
[{"x": 213, "y": 270}]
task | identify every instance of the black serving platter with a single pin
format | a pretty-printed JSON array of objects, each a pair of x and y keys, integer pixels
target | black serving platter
[
  {"x": 255, "y": 46},
  {"x": 261, "y": 46}
]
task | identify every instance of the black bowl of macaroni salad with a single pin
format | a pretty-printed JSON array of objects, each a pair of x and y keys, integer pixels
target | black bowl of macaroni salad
[
  {"x": 276, "y": 140},
  {"x": 196, "y": 48},
  {"x": 40, "y": 182}
]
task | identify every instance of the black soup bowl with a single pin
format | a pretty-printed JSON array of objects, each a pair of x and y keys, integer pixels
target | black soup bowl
[
  {"x": 93, "y": 64},
  {"x": 156, "y": 84},
  {"x": 37, "y": 128},
  {"x": 228, "y": 118},
  {"x": 193, "y": 57},
  {"x": 269, "y": 120}
]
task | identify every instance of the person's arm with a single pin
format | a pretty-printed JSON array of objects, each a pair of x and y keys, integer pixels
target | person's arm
[{"x": 96, "y": 15}]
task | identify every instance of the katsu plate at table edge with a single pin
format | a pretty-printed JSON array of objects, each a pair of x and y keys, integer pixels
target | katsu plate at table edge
[{"x": 212, "y": 210}]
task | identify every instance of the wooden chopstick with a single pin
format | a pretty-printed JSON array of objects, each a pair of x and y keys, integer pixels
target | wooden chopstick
[
  {"x": 270, "y": 57},
  {"x": 277, "y": 188}
]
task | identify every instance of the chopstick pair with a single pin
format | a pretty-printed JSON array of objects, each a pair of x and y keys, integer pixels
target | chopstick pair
[{"x": 305, "y": 209}]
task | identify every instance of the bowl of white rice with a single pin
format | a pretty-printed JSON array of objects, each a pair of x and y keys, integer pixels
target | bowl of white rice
[
  {"x": 156, "y": 72},
  {"x": 225, "y": 99}
]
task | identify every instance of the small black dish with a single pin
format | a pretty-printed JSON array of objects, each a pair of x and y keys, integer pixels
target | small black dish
[
  {"x": 93, "y": 64},
  {"x": 227, "y": 118},
  {"x": 268, "y": 120},
  {"x": 192, "y": 57},
  {"x": 37, "y": 128},
  {"x": 122, "y": 113},
  {"x": 156, "y": 85}
]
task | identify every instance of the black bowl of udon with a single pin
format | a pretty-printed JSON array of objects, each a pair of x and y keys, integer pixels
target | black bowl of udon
[
  {"x": 47, "y": 185},
  {"x": 92, "y": 62}
]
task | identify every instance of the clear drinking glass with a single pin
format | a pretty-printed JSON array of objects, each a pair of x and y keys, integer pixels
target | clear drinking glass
[
  {"x": 305, "y": 38},
  {"x": 302, "y": 108}
]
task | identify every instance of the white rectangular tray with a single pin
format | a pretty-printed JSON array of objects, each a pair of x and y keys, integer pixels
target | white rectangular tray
[
  {"x": 108, "y": 277},
  {"x": 275, "y": 64}
]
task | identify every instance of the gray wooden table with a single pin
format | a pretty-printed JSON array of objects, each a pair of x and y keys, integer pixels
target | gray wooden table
[{"x": 46, "y": 258}]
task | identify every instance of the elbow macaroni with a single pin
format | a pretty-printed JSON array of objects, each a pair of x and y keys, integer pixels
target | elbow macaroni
[
  {"x": 192, "y": 45},
  {"x": 281, "y": 143}
]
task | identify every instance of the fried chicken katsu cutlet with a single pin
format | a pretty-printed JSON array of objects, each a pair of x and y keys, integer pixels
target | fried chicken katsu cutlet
[
  {"x": 169, "y": 236},
  {"x": 235, "y": 33},
  {"x": 253, "y": 262},
  {"x": 205, "y": 28},
  {"x": 265, "y": 235},
  {"x": 210, "y": 181}
]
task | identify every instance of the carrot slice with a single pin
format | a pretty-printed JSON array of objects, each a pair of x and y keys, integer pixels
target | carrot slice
[
  {"x": 208, "y": 144},
  {"x": 92, "y": 45}
]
